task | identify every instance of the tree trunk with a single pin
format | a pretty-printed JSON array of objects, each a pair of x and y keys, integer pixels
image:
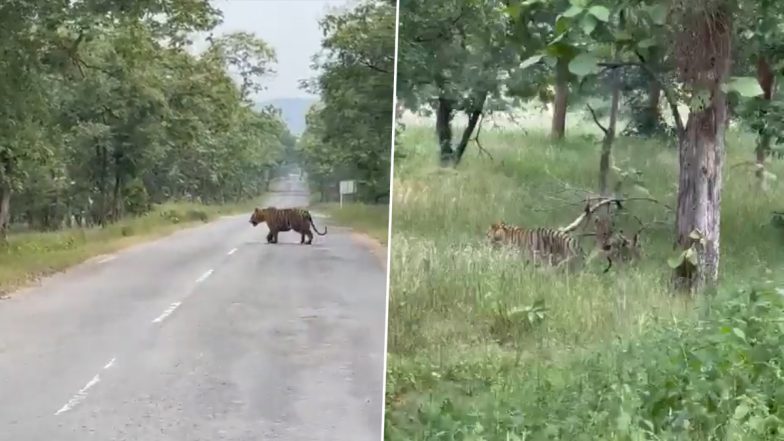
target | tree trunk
[
  {"x": 652, "y": 113},
  {"x": 444, "y": 114},
  {"x": 117, "y": 205},
  {"x": 767, "y": 81},
  {"x": 5, "y": 210},
  {"x": 558, "y": 128},
  {"x": 473, "y": 119},
  {"x": 704, "y": 56},
  {"x": 102, "y": 178},
  {"x": 609, "y": 135}
]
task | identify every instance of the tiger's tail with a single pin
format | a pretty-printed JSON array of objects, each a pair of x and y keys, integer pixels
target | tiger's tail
[{"x": 310, "y": 218}]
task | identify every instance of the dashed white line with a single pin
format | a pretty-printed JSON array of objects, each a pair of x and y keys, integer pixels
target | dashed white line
[
  {"x": 167, "y": 313},
  {"x": 82, "y": 394},
  {"x": 232, "y": 251},
  {"x": 204, "y": 276}
]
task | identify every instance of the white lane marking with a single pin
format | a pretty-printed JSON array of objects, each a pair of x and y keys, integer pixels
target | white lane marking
[
  {"x": 204, "y": 276},
  {"x": 82, "y": 394},
  {"x": 232, "y": 251},
  {"x": 167, "y": 313},
  {"x": 107, "y": 259}
]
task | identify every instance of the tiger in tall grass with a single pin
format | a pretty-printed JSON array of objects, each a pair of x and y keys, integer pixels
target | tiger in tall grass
[
  {"x": 286, "y": 219},
  {"x": 548, "y": 245}
]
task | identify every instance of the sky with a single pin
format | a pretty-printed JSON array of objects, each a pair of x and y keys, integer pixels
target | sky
[{"x": 289, "y": 26}]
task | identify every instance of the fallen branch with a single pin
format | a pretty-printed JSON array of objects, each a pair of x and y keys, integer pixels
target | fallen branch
[{"x": 589, "y": 210}]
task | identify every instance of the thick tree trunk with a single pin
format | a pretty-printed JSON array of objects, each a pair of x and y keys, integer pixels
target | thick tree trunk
[
  {"x": 444, "y": 114},
  {"x": 609, "y": 136},
  {"x": 558, "y": 128},
  {"x": 5, "y": 210},
  {"x": 473, "y": 119},
  {"x": 704, "y": 55}
]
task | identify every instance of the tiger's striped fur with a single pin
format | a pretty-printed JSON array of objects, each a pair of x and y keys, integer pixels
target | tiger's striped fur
[
  {"x": 541, "y": 244},
  {"x": 286, "y": 219}
]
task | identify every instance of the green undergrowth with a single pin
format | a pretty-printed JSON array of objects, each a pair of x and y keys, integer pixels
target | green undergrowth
[
  {"x": 31, "y": 255},
  {"x": 482, "y": 347},
  {"x": 372, "y": 220}
]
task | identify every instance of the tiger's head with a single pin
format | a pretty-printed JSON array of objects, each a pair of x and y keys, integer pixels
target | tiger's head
[
  {"x": 497, "y": 232},
  {"x": 258, "y": 216}
]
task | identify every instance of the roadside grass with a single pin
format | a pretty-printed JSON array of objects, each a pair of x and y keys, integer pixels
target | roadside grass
[
  {"x": 372, "y": 220},
  {"x": 477, "y": 343},
  {"x": 30, "y": 255}
]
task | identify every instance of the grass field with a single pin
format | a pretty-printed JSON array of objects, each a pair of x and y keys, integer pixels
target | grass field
[
  {"x": 372, "y": 220},
  {"x": 481, "y": 348},
  {"x": 31, "y": 255}
]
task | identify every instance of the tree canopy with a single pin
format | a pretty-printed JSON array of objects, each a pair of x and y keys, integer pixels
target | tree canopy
[
  {"x": 348, "y": 134},
  {"x": 107, "y": 110}
]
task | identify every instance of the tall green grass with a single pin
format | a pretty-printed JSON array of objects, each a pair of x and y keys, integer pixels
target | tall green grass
[
  {"x": 366, "y": 218},
  {"x": 476, "y": 338},
  {"x": 30, "y": 255}
]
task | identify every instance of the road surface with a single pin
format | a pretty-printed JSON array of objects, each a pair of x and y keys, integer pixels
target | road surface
[{"x": 208, "y": 334}]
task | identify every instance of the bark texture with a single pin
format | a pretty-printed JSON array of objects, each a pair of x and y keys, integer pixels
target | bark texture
[
  {"x": 560, "y": 104},
  {"x": 703, "y": 52}
]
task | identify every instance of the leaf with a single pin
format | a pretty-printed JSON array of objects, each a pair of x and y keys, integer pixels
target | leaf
[
  {"x": 695, "y": 235},
  {"x": 622, "y": 35},
  {"x": 562, "y": 25},
  {"x": 676, "y": 261},
  {"x": 530, "y": 61},
  {"x": 514, "y": 10},
  {"x": 658, "y": 13},
  {"x": 600, "y": 12},
  {"x": 646, "y": 43},
  {"x": 588, "y": 24},
  {"x": 573, "y": 11},
  {"x": 747, "y": 87},
  {"x": 741, "y": 411},
  {"x": 642, "y": 189},
  {"x": 584, "y": 64},
  {"x": 691, "y": 256},
  {"x": 739, "y": 332}
]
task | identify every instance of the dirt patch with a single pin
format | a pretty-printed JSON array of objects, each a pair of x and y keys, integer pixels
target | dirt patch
[{"x": 378, "y": 250}]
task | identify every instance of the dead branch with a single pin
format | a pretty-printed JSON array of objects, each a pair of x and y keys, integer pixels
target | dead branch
[
  {"x": 596, "y": 119},
  {"x": 589, "y": 210}
]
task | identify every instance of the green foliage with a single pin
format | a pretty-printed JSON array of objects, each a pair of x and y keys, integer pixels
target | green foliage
[
  {"x": 108, "y": 111},
  {"x": 348, "y": 134},
  {"x": 579, "y": 356}
]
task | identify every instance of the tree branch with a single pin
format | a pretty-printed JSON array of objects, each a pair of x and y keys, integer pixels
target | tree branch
[
  {"x": 476, "y": 138},
  {"x": 676, "y": 114},
  {"x": 596, "y": 119}
]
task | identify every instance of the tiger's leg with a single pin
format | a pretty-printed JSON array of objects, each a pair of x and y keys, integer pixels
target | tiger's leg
[
  {"x": 309, "y": 235},
  {"x": 270, "y": 237}
]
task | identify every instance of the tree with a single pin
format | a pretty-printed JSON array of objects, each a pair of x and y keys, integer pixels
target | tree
[
  {"x": 108, "y": 112},
  {"x": 703, "y": 54},
  {"x": 348, "y": 133},
  {"x": 454, "y": 57}
]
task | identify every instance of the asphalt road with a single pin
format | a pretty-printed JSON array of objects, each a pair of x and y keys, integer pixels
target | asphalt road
[{"x": 208, "y": 334}]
